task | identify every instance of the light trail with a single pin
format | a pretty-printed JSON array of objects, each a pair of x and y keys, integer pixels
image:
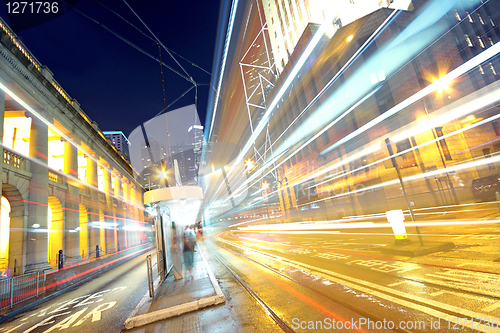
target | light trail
[
  {"x": 401, "y": 106},
  {"x": 491, "y": 98},
  {"x": 462, "y": 69},
  {"x": 368, "y": 225},
  {"x": 476, "y": 103},
  {"x": 223, "y": 66},
  {"x": 55, "y": 129}
]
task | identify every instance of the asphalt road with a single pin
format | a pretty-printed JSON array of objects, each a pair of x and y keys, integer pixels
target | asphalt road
[
  {"x": 308, "y": 277},
  {"x": 100, "y": 305}
]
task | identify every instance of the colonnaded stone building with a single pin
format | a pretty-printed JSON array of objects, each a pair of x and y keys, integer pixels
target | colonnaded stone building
[{"x": 64, "y": 186}]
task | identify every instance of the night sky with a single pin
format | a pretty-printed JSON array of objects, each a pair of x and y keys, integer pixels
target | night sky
[{"x": 116, "y": 85}]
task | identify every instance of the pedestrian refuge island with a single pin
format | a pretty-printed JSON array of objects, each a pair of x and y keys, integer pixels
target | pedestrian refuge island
[{"x": 174, "y": 209}]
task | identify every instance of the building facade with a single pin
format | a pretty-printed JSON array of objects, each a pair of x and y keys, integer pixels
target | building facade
[
  {"x": 430, "y": 86},
  {"x": 64, "y": 186}
]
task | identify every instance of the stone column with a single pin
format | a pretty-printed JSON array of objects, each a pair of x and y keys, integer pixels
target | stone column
[
  {"x": 127, "y": 214},
  {"x": 94, "y": 232},
  {"x": 37, "y": 247},
  {"x": 110, "y": 233},
  {"x": 120, "y": 216},
  {"x": 72, "y": 204}
]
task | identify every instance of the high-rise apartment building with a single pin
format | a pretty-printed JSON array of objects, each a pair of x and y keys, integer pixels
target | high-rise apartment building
[{"x": 120, "y": 141}]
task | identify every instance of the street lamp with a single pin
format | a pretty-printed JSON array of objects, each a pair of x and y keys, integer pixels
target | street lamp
[
  {"x": 249, "y": 164},
  {"x": 442, "y": 85}
]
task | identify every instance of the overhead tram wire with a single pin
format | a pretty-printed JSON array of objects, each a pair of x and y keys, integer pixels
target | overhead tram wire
[
  {"x": 133, "y": 45},
  {"x": 151, "y": 38},
  {"x": 159, "y": 42},
  {"x": 169, "y": 156}
]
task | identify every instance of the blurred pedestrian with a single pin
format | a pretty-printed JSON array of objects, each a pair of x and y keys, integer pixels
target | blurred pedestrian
[
  {"x": 188, "y": 254},
  {"x": 192, "y": 237}
]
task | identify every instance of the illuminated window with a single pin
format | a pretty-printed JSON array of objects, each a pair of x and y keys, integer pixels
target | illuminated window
[
  {"x": 56, "y": 151},
  {"x": 82, "y": 168},
  {"x": 481, "y": 70},
  {"x": 480, "y": 19},
  {"x": 469, "y": 42},
  {"x": 492, "y": 69},
  {"x": 16, "y": 134},
  {"x": 491, "y": 41},
  {"x": 100, "y": 178},
  {"x": 470, "y": 17},
  {"x": 480, "y": 42},
  {"x": 457, "y": 16},
  {"x": 491, "y": 21}
]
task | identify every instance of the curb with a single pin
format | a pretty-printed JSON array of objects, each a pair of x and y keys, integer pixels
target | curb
[{"x": 134, "y": 321}]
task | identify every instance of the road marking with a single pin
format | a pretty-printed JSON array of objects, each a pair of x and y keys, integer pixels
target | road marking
[
  {"x": 474, "y": 264},
  {"x": 437, "y": 293},
  {"x": 96, "y": 295},
  {"x": 96, "y": 313},
  {"x": 46, "y": 321},
  {"x": 331, "y": 256},
  {"x": 67, "y": 322},
  {"x": 396, "y": 284},
  {"x": 65, "y": 305}
]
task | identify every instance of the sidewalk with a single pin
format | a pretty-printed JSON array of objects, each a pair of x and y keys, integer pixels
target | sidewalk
[
  {"x": 174, "y": 298},
  {"x": 199, "y": 305}
]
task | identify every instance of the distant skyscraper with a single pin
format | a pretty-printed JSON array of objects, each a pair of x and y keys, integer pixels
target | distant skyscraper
[
  {"x": 196, "y": 136},
  {"x": 120, "y": 141}
]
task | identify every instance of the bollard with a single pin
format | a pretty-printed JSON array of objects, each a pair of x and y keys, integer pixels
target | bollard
[
  {"x": 60, "y": 260},
  {"x": 396, "y": 219},
  {"x": 97, "y": 251}
]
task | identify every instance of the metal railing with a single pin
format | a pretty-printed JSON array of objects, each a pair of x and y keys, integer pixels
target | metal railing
[
  {"x": 160, "y": 269},
  {"x": 20, "y": 288}
]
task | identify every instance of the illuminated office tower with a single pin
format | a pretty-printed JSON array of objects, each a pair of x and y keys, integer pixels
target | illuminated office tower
[
  {"x": 120, "y": 141},
  {"x": 287, "y": 20},
  {"x": 196, "y": 136}
]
